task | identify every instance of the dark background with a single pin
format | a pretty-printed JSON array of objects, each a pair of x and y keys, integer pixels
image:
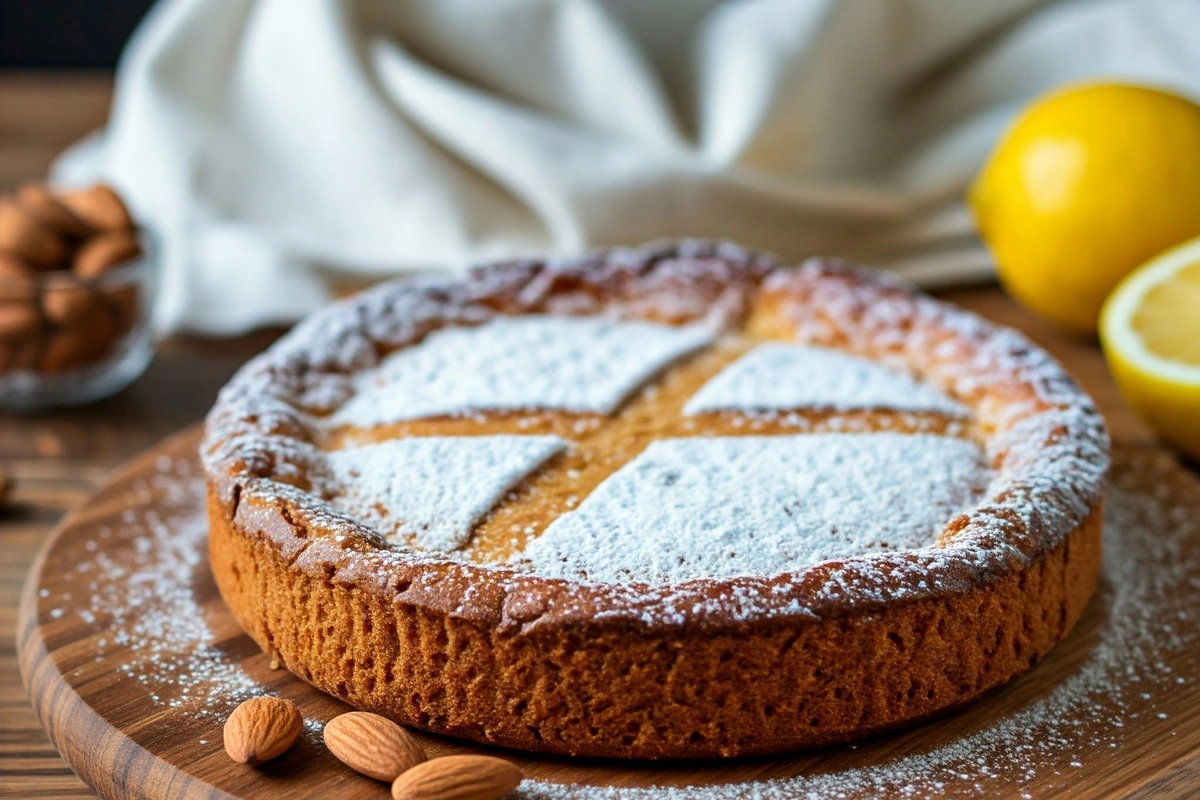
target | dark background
[{"x": 66, "y": 34}]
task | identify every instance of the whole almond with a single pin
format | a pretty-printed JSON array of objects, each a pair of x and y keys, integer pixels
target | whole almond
[
  {"x": 261, "y": 729},
  {"x": 23, "y": 354},
  {"x": 65, "y": 350},
  {"x": 101, "y": 253},
  {"x": 372, "y": 745},
  {"x": 18, "y": 282},
  {"x": 458, "y": 778},
  {"x": 19, "y": 320},
  {"x": 24, "y": 237},
  {"x": 100, "y": 207},
  {"x": 65, "y": 300},
  {"x": 86, "y": 340},
  {"x": 13, "y": 269},
  {"x": 46, "y": 208},
  {"x": 125, "y": 304}
]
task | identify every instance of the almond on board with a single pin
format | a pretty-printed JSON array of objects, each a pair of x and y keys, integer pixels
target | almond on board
[
  {"x": 261, "y": 729},
  {"x": 458, "y": 778},
  {"x": 372, "y": 745}
]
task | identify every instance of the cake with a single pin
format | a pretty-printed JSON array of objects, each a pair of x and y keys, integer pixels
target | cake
[{"x": 679, "y": 501}]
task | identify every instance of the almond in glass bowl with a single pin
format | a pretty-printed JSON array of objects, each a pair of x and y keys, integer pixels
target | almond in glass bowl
[{"x": 77, "y": 281}]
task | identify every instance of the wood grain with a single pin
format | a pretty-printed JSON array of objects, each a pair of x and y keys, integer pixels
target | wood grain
[
  {"x": 58, "y": 458},
  {"x": 126, "y": 738}
]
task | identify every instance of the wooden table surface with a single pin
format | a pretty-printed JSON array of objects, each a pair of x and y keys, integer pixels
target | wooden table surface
[{"x": 58, "y": 457}]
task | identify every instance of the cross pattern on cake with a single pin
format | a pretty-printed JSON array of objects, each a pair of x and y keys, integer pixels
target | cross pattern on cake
[{"x": 621, "y": 451}]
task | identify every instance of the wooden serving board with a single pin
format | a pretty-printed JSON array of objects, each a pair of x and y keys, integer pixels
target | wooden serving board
[{"x": 132, "y": 662}]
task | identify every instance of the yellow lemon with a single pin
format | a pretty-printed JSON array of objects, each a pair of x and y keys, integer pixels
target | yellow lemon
[
  {"x": 1150, "y": 331},
  {"x": 1088, "y": 183}
]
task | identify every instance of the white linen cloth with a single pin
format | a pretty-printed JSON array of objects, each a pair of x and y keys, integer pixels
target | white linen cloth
[{"x": 281, "y": 146}]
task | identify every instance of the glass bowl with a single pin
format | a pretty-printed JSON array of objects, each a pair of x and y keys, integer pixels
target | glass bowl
[{"x": 66, "y": 341}]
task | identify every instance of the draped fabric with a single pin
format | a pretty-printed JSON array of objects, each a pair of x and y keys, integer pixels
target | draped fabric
[{"x": 281, "y": 148}]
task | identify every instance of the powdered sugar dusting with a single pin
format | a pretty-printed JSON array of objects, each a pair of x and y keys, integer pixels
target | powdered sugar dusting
[
  {"x": 433, "y": 489},
  {"x": 1043, "y": 436},
  {"x": 783, "y": 377},
  {"x": 144, "y": 601},
  {"x": 750, "y": 505},
  {"x": 568, "y": 363},
  {"x": 1120, "y": 693}
]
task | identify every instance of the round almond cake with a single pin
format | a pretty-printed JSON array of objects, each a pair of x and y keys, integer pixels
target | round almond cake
[{"x": 671, "y": 502}]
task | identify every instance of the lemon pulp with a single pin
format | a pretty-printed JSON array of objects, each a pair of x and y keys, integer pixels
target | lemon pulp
[
  {"x": 1168, "y": 318},
  {"x": 1150, "y": 330}
]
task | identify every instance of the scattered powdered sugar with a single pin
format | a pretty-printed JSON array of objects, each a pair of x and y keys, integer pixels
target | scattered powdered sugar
[
  {"x": 761, "y": 505},
  {"x": 434, "y": 488},
  {"x": 583, "y": 364},
  {"x": 783, "y": 377},
  {"x": 1118, "y": 694},
  {"x": 145, "y": 602},
  {"x": 143, "y": 576}
]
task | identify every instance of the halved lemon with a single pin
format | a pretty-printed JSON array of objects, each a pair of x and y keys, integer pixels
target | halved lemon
[{"x": 1150, "y": 331}]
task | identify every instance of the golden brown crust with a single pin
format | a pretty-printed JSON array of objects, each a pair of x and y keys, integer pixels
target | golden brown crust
[
  {"x": 629, "y": 691},
  {"x": 705, "y": 668}
]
